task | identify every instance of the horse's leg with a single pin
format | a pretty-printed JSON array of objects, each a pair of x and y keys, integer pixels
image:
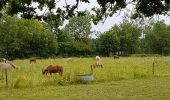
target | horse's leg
[
  {"x": 51, "y": 74},
  {"x": 60, "y": 73}
]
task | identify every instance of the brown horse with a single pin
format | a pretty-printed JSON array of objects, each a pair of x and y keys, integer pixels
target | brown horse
[
  {"x": 115, "y": 56},
  {"x": 97, "y": 64},
  {"x": 53, "y": 69},
  {"x": 32, "y": 60}
]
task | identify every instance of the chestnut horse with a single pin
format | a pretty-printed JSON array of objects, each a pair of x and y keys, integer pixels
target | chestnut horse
[
  {"x": 32, "y": 60},
  {"x": 115, "y": 56},
  {"x": 53, "y": 69}
]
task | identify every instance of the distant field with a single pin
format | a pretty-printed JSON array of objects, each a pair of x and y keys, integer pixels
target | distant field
[{"x": 127, "y": 78}]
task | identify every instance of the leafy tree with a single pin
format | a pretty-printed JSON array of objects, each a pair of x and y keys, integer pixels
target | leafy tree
[
  {"x": 79, "y": 28},
  {"x": 124, "y": 38},
  {"x": 108, "y": 42},
  {"x": 158, "y": 39},
  {"x": 107, "y": 8},
  {"x": 74, "y": 38},
  {"x": 129, "y": 38},
  {"x": 24, "y": 38}
]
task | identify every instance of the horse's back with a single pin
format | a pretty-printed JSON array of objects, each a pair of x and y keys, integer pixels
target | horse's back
[{"x": 4, "y": 65}]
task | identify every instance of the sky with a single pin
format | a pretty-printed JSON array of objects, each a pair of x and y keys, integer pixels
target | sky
[{"x": 110, "y": 21}]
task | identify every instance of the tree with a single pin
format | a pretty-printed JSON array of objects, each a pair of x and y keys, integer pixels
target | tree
[
  {"x": 74, "y": 39},
  {"x": 24, "y": 38},
  {"x": 129, "y": 38},
  {"x": 79, "y": 28},
  {"x": 158, "y": 39},
  {"x": 107, "y": 8},
  {"x": 108, "y": 42}
]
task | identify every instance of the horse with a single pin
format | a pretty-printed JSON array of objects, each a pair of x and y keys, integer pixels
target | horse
[
  {"x": 5, "y": 66},
  {"x": 115, "y": 56},
  {"x": 69, "y": 59},
  {"x": 2, "y": 60},
  {"x": 97, "y": 64},
  {"x": 32, "y": 60},
  {"x": 97, "y": 58},
  {"x": 53, "y": 69}
]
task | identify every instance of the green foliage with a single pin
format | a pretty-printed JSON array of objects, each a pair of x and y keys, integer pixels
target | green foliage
[
  {"x": 120, "y": 38},
  {"x": 158, "y": 39},
  {"x": 22, "y": 82},
  {"x": 24, "y": 38},
  {"x": 106, "y": 8},
  {"x": 79, "y": 27},
  {"x": 108, "y": 42},
  {"x": 74, "y": 39},
  {"x": 129, "y": 38}
]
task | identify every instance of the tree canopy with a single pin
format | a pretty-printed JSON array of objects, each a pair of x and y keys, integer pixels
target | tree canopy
[
  {"x": 106, "y": 8},
  {"x": 74, "y": 39},
  {"x": 158, "y": 39},
  {"x": 24, "y": 38}
]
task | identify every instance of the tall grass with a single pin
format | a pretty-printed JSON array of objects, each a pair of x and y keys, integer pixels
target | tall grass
[{"x": 30, "y": 75}]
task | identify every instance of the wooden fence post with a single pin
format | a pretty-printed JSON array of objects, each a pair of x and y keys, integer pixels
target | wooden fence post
[{"x": 6, "y": 77}]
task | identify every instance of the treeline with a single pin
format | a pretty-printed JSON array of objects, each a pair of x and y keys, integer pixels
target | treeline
[{"x": 20, "y": 38}]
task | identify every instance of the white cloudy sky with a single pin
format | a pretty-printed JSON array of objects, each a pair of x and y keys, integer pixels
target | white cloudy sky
[{"x": 115, "y": 19}]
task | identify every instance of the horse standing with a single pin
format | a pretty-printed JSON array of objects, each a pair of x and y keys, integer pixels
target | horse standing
[
  {"x": 53, "y": 69},
  {"x": 5, "y": 66},
  {"x": 98, "y": 58},
  {"x": 97, "y": 64}
]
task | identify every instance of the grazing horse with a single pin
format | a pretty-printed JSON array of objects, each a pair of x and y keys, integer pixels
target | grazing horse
[
  {"x": 115, "y": 56},
  {"x": 69, "y": 59},
  {"x": 2, "y": 60},
  {"x": 53, "y": 69},
  {"x": 32, "y": 60},
  {"x": 5, "y": 66},
  {"x": 97, "y": 64}
]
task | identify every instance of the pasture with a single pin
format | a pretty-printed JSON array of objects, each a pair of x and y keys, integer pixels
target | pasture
[{"x": 127, "y": 78}]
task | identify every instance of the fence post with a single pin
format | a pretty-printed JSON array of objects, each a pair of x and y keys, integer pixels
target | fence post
[
  {"x": 6, "y": 77},
  {"x": 153, "y": 68}
]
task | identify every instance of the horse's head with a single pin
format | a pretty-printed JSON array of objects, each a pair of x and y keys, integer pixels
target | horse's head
[
  {"x": 3, "y": 60},
  {"x": 14, "y": 66}
]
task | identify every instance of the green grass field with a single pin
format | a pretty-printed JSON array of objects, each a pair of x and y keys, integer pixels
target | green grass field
[{"x": 127, "y": 78}]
